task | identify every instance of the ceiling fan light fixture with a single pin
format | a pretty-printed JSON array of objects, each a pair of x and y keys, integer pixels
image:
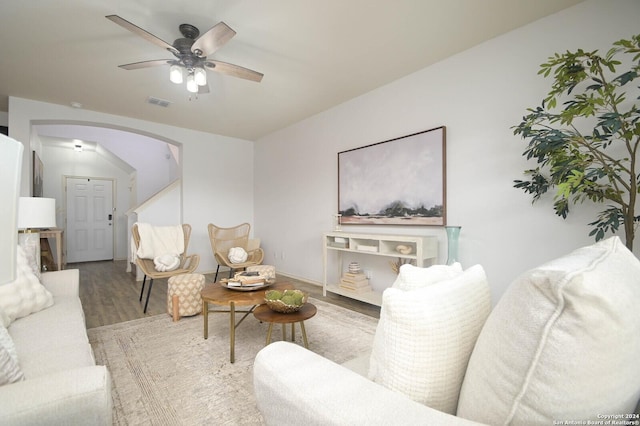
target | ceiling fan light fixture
[
  {"x": 175, "y": 74},
  {"x": 200, "y": 75},
  {"x": 192, "y": 86}
]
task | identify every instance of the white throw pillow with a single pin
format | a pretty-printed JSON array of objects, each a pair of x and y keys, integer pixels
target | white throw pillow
[
  {"x": 25, "y": 295},
  {"x": 425, "y": 337},
  {"x": 412, "y": 277},
  {"x": 561, "y": 344},
  {"x": 237, "y": 255},
  {"x": 10, "y": 371}
]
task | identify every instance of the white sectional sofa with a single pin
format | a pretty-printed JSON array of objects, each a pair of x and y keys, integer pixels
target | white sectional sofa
[
  {"x": 62, "y": 385},
  {"x": 559, "y": 347}
]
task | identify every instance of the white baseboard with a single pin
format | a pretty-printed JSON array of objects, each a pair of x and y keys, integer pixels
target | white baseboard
[{"x": 295, "y": 277}]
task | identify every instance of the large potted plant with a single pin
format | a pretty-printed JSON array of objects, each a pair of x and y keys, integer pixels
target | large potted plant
[{"x": 587, "y": 148}]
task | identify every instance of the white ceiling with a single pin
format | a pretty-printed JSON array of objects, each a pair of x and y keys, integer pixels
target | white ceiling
[{"x": 314, "y": 53}]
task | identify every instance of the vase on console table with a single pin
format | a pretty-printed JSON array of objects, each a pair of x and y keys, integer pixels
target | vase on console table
[
  {"x": 453, "y": 233},
  {"x": 337, "y": 225}
]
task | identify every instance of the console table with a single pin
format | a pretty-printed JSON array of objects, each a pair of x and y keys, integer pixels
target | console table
[{"x": 422, "y": 249}]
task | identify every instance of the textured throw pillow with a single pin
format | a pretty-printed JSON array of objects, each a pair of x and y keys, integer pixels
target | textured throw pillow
[
  {"x": 561, "y": 344},
  {"x": 10, "y": 371},
  {"x": 412, "y": 277},
  {"x": 25, "y": 295},
  {"x": 425, "y": 337},
  {"x": 237, "y": 255}
]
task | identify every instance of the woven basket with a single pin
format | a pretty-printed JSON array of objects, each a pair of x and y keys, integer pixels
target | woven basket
[{"x": 283, "y": 308}]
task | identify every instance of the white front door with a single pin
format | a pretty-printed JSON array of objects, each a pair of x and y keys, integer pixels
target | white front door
[{"x": 89, "y": 219}]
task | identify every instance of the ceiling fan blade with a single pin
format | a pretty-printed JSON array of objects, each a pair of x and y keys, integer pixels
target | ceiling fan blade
[
  {"x": 142, "y": 33},
  {"x": 212, "y": 40},
  {"x": 146, "y": 64},
  {"x": 234, "y": 70}
]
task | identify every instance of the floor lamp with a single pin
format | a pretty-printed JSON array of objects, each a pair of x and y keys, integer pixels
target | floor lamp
[{"x": 34, "y": 213}]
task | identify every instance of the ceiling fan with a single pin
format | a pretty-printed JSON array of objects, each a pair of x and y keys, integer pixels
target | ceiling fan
[{"x": 190, "y": 53}]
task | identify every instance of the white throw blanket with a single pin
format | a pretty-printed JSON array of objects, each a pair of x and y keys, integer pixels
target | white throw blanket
[{"x": 159, "y": 241}]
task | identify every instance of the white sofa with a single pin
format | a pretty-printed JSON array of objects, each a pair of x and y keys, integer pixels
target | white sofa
[
  {"x": 62, "y": 385},
  {"x": 560, "y": 347}
]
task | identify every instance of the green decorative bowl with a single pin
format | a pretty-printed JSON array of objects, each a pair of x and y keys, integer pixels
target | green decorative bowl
[{"x": 285, "y": 302}]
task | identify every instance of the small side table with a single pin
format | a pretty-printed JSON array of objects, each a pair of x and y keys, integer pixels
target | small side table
[{"x": 265, "y": 314}]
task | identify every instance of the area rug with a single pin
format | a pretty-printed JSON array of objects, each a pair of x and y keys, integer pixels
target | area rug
[{"x": 166, "y": 373}]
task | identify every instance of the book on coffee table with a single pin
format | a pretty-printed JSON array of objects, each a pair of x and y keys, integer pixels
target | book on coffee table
[{"x": 246, "y": 281}]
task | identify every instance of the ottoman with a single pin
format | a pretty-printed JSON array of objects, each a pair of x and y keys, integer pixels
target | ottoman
[
  {"x": 267, "y": 271},
  {"x": 185, "y": 290}
]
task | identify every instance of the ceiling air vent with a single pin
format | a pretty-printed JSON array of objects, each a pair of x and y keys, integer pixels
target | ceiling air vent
[{"x": 158, "y": 101}]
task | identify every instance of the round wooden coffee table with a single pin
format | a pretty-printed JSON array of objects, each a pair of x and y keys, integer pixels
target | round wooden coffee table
[
  {"x": 265, "y": 314},
  {"x": 216, "y": 294}
]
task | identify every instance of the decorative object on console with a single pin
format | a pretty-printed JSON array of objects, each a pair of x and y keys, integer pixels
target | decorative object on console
[
  {"x": 395, "y": 266},
  {"x": 453, "y": 234},
  {"x": 337, "y": 226},
  {"x": 404, "y": 249},
  {"x": 35, "y": 213},
  {"x": 355, "y": 281},
  {"x": 396, "y": 182}
]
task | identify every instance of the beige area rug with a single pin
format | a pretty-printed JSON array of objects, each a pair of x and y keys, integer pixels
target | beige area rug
[{"x": 166, "y": 373}]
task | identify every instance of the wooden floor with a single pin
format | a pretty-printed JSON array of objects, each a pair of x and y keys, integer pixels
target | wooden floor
[{"x": 111, "y": 295}]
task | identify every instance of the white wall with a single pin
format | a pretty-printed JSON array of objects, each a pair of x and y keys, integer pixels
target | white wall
[
  {"x": 60, "y": 161},
  {"x": 478, "y": 95},
  {"x": 212, "y": 189},
  {"x": 155, "y": 165}
]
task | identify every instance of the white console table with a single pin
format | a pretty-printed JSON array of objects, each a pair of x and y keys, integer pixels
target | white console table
[{"x": 422, "y": 249}]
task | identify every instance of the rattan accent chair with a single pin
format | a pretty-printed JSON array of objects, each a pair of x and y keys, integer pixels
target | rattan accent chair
[
  {"x": 188, "y": 264},
  {"x": 222, "y": 239}
]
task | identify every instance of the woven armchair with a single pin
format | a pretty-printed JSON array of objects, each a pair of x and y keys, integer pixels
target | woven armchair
[
  {"x": 222, "y": 239},
  {"x": 188, "y": 264}
]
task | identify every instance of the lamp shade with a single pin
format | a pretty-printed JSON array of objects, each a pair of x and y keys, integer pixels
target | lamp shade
[
  {"x": 175, "y": 74},
  {"x": 36, "y": 212},
  {"x": 200, "y": 76},
  {"x": 192, "y": 86}
]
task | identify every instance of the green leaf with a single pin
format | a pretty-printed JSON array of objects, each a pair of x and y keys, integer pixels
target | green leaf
[{"x": 581, "y": 157}]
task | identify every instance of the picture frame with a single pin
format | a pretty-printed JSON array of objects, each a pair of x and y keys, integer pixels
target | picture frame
[
  {"x": 38, "y": 176},
  {"x": 400, "y": 181}
]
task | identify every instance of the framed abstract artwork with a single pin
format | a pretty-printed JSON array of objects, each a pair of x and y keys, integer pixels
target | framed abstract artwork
[{"x": 396, "y": 182}]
